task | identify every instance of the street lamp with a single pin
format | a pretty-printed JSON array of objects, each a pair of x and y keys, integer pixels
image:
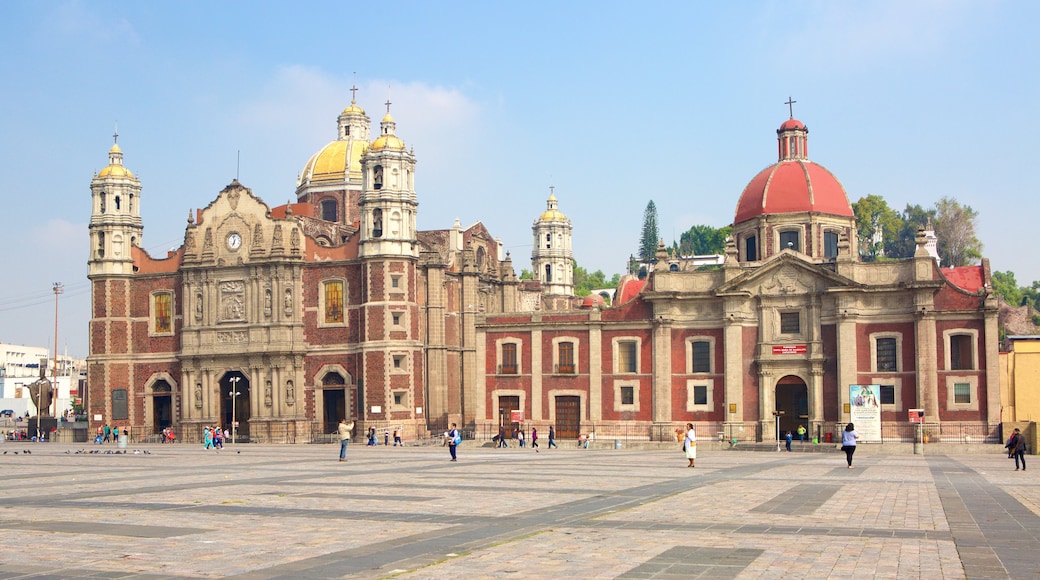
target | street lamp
[
  {"x": 778, "y": 414},
  {"x": 234, "y": 404}
]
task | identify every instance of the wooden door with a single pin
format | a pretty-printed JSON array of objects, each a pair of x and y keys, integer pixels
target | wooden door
[{"x": 568, "y": 417}]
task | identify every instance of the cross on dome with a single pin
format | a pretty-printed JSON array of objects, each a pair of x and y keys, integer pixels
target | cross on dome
[
  {"x": 790, "y": 106},
  {"x": 353, "y": 94}
]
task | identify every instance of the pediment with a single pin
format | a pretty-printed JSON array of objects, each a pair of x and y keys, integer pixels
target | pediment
[{"x": 787, "y": 274}]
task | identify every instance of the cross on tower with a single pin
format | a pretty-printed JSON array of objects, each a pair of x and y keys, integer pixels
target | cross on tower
[
  {"x": 353, "y": 94},
  {"x": 387, "y": 103},
  {"x": 790, "y": 106},
  {"x": 552, "y": 189},
  {"x": 115, "y": 134}
]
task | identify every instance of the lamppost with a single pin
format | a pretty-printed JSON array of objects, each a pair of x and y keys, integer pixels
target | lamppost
[
  {"x": 778, "y": 414},
  {"x": 234, "y": 404},
  {"x": 58, "y": 289}
]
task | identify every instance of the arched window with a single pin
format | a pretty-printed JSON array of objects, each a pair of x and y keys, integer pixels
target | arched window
[
  {"x": 789, "y": 240},
  {"x": 480, "y": 258},
  {"x": 117, "y": 203},
  {"x": 548, "y": 273},
  {"x": 329, "y": 210},
  {"x": 750, "y": 249},
  {"x": 377, "y": 177}
]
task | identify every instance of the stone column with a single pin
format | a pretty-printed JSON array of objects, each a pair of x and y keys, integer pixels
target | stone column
[
  {"x": 661, "y": 369},
  {"x": 537, "y": 367},
  {"x": 733, "y": 374},
  {"x": 595, "y": 366}
]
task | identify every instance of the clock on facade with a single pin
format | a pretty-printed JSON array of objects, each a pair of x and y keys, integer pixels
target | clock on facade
[{"x": 234, "y": 241}]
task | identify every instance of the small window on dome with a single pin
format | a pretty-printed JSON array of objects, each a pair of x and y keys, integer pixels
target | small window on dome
[
  {"x": 830, "y": 244},
  {"x": 750, "y": 249},
  {"x": 790, "y": 241}
]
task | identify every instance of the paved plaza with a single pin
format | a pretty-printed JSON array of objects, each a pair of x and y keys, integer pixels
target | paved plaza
[{"x": 177, "y": 511}]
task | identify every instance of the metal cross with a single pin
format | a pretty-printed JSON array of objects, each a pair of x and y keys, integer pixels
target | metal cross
[{"x": 790, "y": 106}]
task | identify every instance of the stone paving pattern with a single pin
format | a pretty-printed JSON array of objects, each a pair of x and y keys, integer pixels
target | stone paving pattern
[{"x": 178, "y": 511}]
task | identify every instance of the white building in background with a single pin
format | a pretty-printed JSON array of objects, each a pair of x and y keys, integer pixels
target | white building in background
[{"x": 20, "y": 367}]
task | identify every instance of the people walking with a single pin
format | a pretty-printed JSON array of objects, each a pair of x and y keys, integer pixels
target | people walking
[
  {"x": 454, "y": 438},
  {"x": 397, "y": 438},
  {"x": 787, "y": 440},
  {"x": 520, "y": 437},
  {"x": 690, "y": 444},
  {"x": 1017, "y": 448},
  {"x": 207, "y": 438},
  {"x": 108, "y": 433},
  {"x": 502, "y": 437},
  {"x": 343, "y": 432},
  {"x": 534, "y": 438},
  {"x": 848, "y": 442},
  {"x": 552, "y": 437},
  {"x": 218, "y": 439}
]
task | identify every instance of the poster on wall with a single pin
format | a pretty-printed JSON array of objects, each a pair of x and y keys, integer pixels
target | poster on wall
[{"x": 865, "y": 412}]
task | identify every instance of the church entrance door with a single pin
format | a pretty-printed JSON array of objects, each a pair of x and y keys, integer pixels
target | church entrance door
[
  {"x": 162, "y": 406},
  {"x": 234, "y": 403},
  {"x": 335, "y": 397},
  {"x": 792, "y": 397}
]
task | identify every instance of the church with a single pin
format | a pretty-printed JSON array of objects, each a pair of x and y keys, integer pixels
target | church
[{"x": 284, "y": 319}]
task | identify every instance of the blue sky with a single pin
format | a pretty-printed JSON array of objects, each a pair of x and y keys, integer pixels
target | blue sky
[{"x": 612, "y": 103}]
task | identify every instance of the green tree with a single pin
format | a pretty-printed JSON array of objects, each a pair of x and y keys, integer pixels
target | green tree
[
  {"x": 904, "y": 245},
  {"x": 702, "y": 240},
  {"x": 1005, "y": 286},
  {"x": 955, "y": 229},
  {"x": 873, "y": 216},
  {"x": 650, "y": 236},
  {"x": 526, "y": 274}
]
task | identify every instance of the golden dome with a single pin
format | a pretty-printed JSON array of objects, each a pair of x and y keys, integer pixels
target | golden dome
[
  {"x": 353, "y": 109},
  {"x": 115, "y": 148},
  {"x": 390, "y": 142},
  {"x": 334, "y": 161},
  {"x": 116, "y": 171},
  {"x": 552, "y": 215},
  {"x": 387, "y": 118}
]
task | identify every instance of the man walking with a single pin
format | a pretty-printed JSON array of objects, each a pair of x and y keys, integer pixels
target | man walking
[
  {"x": 552, "y": 438},
  {"x": 502, "y": 437},
  {"x": 1017, "y": 447},
  {"x": 343, "y": 432}
]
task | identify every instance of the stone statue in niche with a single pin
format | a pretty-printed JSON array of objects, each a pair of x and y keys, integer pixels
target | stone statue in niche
[
  {"x": 198, "y": 395},
  {"x": 258, "y": 236},
  {"x": 267, "y": 303},
  {"x": 294, "y": 239},
  {"x": 268, "y": 394},
  {"x": 290, "y": 393},
  {"x": 277, "y": 242},
  {"x": 288, "y": 302}
]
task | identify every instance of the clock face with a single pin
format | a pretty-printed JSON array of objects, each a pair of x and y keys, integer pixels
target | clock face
[{"x": 234, "y": 241}]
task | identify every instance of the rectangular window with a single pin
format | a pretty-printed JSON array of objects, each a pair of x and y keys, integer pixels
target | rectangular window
[
  {"x": 398, "y": 361},
  {"x": 509, "y": 359},
  {"x": 751, "y": 249},
  {"x": 790, "y": 241},
  {"x": 395, "y": 281},
  {"x": 628, "y": 395},
  {"x": 702, "y": 356},
  {"x": 700, "y": 394},
  {"x": 961, "y": 352},
  {"x": 790, "y": 323},
  {"x": 888, "y": 394},
  {"x": 120, "y": 409},
  {"x": 399, "y": 398},
  {"x": 962, "y": 393},
  {"x": 163, "y": 312},
  {"x": 397, "y": 319},
  {"x": 886, "y": 354},
  {"x": 626, "y": 356},
  {"x": 565, "y": 356},
  {"x": 830, "y": 244},
  {"x": 333, "y": 302}
]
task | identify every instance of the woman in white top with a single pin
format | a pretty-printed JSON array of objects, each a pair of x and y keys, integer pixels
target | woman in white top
[
  {"x": 848, "y": 442},
  {"x": 690, "y": 444}
]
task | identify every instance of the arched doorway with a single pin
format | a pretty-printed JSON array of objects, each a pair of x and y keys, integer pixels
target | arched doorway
[
  {"x": 234, "y": 404},
  {"x": 792, "y": 397},
  {"x": 162, "y": 405},
  {"x": 335, "y": 397}
]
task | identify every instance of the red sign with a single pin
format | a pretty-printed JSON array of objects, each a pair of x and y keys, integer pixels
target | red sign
[
  {"x": 792, "y": 349},
  {"x": 516, "y": 416},
  {"x": 916, "y": 415}
]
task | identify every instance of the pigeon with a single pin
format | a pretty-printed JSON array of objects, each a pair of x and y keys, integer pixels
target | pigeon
[{"x": 27, "y": 452}]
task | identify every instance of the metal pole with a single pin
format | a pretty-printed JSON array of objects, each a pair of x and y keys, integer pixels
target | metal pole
[{"x": 58, "y": 289}]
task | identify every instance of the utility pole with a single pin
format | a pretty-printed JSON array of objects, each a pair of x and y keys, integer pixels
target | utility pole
[{"x": 58, "y": 289}]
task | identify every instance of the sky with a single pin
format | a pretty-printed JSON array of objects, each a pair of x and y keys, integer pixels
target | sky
[{"x": 613, "y": 104}]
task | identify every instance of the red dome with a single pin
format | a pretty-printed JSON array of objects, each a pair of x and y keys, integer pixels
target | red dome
[
  {"x": 792, "y": 124},
  {"x": 793, "y": 186}
]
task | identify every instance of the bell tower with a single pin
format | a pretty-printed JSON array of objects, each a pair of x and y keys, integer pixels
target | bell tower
[
  {"x": 552, "y": 257},
  {"x": 388, "y": 203},
  {"x": 115, "y": 220}
]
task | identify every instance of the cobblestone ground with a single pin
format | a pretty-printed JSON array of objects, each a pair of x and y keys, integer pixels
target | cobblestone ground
[{"x": 177, "y": 511}]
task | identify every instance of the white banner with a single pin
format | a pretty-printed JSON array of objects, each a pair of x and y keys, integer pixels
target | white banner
[{"x": 865, "y": 412}]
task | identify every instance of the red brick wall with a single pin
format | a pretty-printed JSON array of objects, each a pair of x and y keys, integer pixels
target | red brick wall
[{"x": 750, "y": 398}]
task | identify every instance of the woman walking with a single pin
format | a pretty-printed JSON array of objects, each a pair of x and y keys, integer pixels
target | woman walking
[
  {"x": 690, "y": 444},
  {"x": 534, "y": 439},
  {"x": 848, "y": 442}
]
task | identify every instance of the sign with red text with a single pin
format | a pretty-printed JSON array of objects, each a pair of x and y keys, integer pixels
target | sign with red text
[
  {"x": 516, "y": 416},
  {"x": 790, "y": 349}
]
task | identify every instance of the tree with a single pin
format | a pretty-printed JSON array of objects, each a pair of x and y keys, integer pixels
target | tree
[
  {"x": 649, "y": 238},
  {"x": 702, "y": 240},
  {"x": 905, "y": 243},
  {"x": 1004, "y": 285},
  {"x": 526, "y": 274},
  {"x": 878, "y": 227},
  {"x": 955, "y": 229},
  {"x": 585, "y": 282}
]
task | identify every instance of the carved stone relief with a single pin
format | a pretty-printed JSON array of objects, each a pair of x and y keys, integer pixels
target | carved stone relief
[
  {"x": 267, "y": 303},
  {"x": 232, "y": 300},
  {"x": 268, "y": 394},
  {"x": 198, "y": 395},
  {"x": 290, "y": 394}
]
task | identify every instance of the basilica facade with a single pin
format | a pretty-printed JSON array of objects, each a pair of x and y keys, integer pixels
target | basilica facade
[{"x": 285, "y": 319}]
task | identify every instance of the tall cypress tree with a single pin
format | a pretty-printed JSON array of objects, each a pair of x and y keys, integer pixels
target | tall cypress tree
[{"x": 650, "y": 236}]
